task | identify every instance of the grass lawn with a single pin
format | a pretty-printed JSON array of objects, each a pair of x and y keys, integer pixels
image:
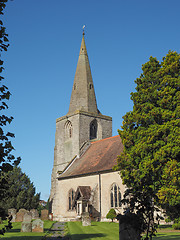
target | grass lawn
[
  {"x": 16, "y": 234},
  {"x": 98, "y": 230},
  {"x": 110, "y": 231}
]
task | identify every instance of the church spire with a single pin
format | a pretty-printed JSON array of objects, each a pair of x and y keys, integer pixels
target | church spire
[{"x": 83, "y": 96}]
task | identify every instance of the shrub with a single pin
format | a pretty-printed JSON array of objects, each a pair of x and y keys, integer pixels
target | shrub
[
  {"x": 176, "y": 226},
  {"x": 111, "y": 214}
]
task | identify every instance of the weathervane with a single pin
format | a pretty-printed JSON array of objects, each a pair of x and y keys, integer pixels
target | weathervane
[{"x": 83, "y": 29}]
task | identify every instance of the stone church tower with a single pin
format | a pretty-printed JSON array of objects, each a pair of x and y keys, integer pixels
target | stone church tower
[{"x": 82, "y": 124}]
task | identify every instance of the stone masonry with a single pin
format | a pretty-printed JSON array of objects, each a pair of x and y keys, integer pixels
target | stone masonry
[{"x": 73, "y": 130}]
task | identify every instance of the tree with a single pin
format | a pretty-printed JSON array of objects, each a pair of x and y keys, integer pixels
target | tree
[
  {"x": 111, "y": 214},
  {"x": 7, "y": 159},
  {"x": 21, "y": 191},
  {"x": 150, "y": 163}
]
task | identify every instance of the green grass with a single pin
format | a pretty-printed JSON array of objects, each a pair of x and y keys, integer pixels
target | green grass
[
  {"x": 167, "y": 236},
  {"x": 16, "y": 234},
  {"x": 109, "y": 231},
  {"x": 98, "y": 230}
]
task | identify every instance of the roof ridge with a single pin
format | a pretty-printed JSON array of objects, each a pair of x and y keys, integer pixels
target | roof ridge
[{"x": 104, "y": 139}]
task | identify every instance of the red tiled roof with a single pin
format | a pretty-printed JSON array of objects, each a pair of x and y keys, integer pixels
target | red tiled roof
[{"x": 100, "y": 156}]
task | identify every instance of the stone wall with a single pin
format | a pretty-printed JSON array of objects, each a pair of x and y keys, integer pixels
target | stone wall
[
  {"x": 66, "y": 149},
  {"x": 61, "y": 212}
]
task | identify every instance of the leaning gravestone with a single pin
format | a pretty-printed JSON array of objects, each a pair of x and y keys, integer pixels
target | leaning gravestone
[
  {"x": 44, "y": 214},
  {"x": 12, "y": 212},
  {"x": 86, "y": 220},
  {"x": 38, "y": 225},
  {"x": 35, "y": 214},
  {"x": 20, "y": 215}
]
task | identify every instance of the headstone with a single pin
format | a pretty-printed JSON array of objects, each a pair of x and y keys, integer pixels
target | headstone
[
  {"x": 38, "y": 225},
  {"x": 44, "y": 214},
  {"x": 35, "y": 214},
  {"x": 12, "y": 212},
  {"x": 26, "y": 227},
  {"x": 86, "y": 220},
  {"x": 127, "y": 230},
  {"x": 27, "y": 217},
  {"x": 20, "y": 215}
]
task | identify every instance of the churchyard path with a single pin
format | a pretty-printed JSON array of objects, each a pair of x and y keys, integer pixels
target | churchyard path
[{"x": 57, "y": 232}]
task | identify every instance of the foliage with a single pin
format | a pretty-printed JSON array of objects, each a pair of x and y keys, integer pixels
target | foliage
[
  {"x": 150, "y": 163},
  {"x": 176, "y": 225},
  {"x": 41, "y": 207},
  {"x": 7, "y": 159},
  {"x": 6, "y": 226},
  {"x": 111, "y": 214},
  {"x": 21, "y": 191}
]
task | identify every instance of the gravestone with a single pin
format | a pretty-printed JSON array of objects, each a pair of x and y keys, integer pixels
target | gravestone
[
  {"x": 26, "y": 227},
  {"x": 44, "y": 214},
  {"x": 20, "y": 215},
  {"x": 128, "y": 227},
  {"x": 27, "y": 217},
  {"x": 12, "y": 212},
  {"x": 38, "y": 225},
  {"x": 35, "y": 214},
  {"x": 86, "y": 220}
]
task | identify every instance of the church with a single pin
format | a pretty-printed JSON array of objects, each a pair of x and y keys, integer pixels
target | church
[{"x": 85, "y": 152}]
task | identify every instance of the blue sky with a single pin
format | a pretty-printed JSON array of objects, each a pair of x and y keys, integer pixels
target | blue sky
[{"x": 40, "y": 64}]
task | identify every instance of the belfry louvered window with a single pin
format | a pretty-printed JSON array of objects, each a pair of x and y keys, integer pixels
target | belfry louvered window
[
  {"x": 115, "y": 196},
  {"x": 93, "y": 129}
]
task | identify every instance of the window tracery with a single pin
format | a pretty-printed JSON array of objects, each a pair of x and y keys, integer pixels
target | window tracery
[
  {"x": 71, "y": 196},
  {"x": 115, "y": 196}
]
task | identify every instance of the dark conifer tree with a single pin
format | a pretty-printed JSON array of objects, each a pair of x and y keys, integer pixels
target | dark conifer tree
[
  {"x": 150, "y": 163},
  {"x": 20, "y": 192}
]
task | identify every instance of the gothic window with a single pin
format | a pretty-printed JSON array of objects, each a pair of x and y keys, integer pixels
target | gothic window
[
  {"x": 115, "y": 196},
  {"x": 93, "y": 129},
  {"x": 71, "y": 196},
  {"x": 68, "y": 130}
]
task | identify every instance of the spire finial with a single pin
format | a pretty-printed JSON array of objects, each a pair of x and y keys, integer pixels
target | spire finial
[{"x": 83, "y": 29}]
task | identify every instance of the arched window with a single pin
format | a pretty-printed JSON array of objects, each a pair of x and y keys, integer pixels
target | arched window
[
  {"x": 71, "y": 196},
  {"x": 93, "y": 129},
  {"x": 90, "y": 86},
  {"x": 68, "y": 130},
  {"x": 115, "y": 196}
]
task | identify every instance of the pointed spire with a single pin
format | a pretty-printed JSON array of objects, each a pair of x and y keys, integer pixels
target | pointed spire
[{"x": 83, "y": 96}]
